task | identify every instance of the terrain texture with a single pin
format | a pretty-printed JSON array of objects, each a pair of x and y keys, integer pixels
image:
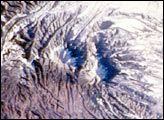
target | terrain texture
[{"x": 82, "y": 60}]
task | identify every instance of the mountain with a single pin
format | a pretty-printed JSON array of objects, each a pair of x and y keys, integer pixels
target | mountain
[{"x": 82, "y": 59}]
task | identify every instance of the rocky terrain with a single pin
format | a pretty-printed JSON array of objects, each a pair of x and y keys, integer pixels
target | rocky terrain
[{"x": 81, "y": 60}]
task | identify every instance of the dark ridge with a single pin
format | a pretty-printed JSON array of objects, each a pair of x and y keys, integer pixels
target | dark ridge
[
  {"x": 70, "y": 78},
  {"x": 39, "y": 72},
  {"x": 36, "y": 113}
]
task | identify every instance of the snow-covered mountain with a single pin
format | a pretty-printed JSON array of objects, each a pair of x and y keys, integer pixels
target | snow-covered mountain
[{"x": 82, "y": 59}]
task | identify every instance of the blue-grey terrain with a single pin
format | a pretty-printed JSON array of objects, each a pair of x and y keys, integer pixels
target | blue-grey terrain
[{"x": 81, "y": 60}]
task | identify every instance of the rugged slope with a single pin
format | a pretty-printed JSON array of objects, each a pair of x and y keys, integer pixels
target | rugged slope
[{"x": 81, "y": 60}]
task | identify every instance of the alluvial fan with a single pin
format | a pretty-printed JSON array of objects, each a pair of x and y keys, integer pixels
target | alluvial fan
[{"x": 81, "y": 60}]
